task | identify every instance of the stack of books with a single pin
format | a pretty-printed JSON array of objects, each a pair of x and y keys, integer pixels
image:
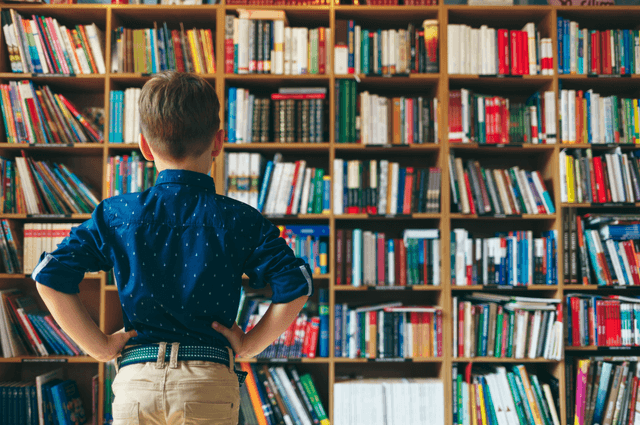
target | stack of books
[
  {"x": 377, "y": 259},
  {"x": 36, "y": 115},
  {"x": 277, "y": 188},
  {"x": 27, "y": 330},
  {"x": 397, "y": 120},
  {"x": 129, "y": 173},
  {"x": 490, "y": 120},
  {"x": 487, "y": 51},
  {"x": 584, "y": 51},
  {"x": 512, "y": 258},
  {"x": 386, "y": 51},
  {"x": 157, "y": 49},
  {"x": 309, "y": 242},
  {"x": 587, "y": 117},
  {"x": 388, "y": 331},
  {"x": 293, "y": 115},
  {"x": 603, "y": 321},
  {"x": 10, "y": 249},
  {"x": 611, "y": 177},
  {"x": 603, "y": 388},
  {"x": 124, "y": 125},
  {"x": 40, "y": 187},
  {"x": 40, "y": 45},
  {"x": 262, "y": 42},
  {"x": 279, "y": 395},
  {"x": 491, "y": 325},
  {"x": 42, "y": 237},
  {"x": 50, "y": 399},
  {"x": 384, "y": 401},
  {"x": 383, "y": 187},
  {"x": 499, "y": 191},
  {"x": 487, "y": 394}
]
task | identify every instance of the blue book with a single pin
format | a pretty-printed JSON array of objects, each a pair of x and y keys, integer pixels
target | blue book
[
  {"x": 379, "y": 52},
  {"x": 67, "y": 403},
  {"x": 602, "y": 392},
  {"x": 351, "y": 41},
  {"x": 112, "y": 114},
  {"x": 151, "y": 33},
  {"x": 231, "y": 119},
  {"x": 285, "y": 398},
  {"x": 580, "y": 51},
  {"x": 323, "y": 308},
  {"x": 51, "y": 346},
  {"x": 162, "y": 54},
  {"x": 326, "y": 196},
  {"x": 120, "y": 111},
  {"x": 266, "y": 405},
  {"x": 365, "y": 52},
  {"x": 400, "y": 333},
  {"x": 324, "y": 252},
  {"x": 566, "y": 61},
  {"x": 338, "y": 330},
  {"x": 402, "y": 172},
  {"x": 391, "y": 253},
  {"x": 171, "y": 52},
  {"x": 356, "y": 279},
  {"x": 265, "y": 185},
  {"x": 511, "y": 252},
  {"x": 560, "y": 45}
]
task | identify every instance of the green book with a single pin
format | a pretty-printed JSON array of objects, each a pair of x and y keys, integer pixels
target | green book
[
  {"x": 342, "y": 135},
  {"x": 510, "y": 335},
  {"x": 310, "y": 389},
  {"x": 517, "y": 400},
  {"x": 499, "y": 322},
  {"x": 540, "y": 399},
  {"x": 479, "y": 333},
  {"x": 352, "y": 111},
  {"x": 317, "y": 201}
]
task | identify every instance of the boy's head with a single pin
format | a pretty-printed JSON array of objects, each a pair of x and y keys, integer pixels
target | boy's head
[{"x": 179, "y": 115}]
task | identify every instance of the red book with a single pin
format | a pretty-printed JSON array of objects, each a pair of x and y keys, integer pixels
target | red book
[
  {"x": 505, "y": 333},
  {"x": 322, "y": 50},
  {"x": 177, "y": 44},
  {"x": 439, "y": 332},
  {"x": 579, "y": 117},
  {"x": 460, "y": 329},
  {"x": 631, "y": 257},
  {"x": 306, "y": 342},
  {"x": 575, "y": 322},
  {"x": 503, "y": 52},
  {"x": 455, "y": 112},
  {"x": 607, "y": 324},
  {"x": 396, "y": 258},
  {"x": 381, "y": 252},
  {"x": 599, "y": 178},
  {"x": 618, "y": 325},
  {"x": 289, "y": 336},
  {"x": 504, "y": 121},
  {"x": 467, "y": 187},
  {"x": 297, "y": 96},
  {"x": 634, "y": 391},
  {"x": 523, "y": 49},
  {"x": 372, "y": 349},
  {"x": 313, "y": 337},
  {"x": 408, "y": 189},
  {"x": 339, "y": 257},
  {"x": 403, "y": 262},
  {"x": 593, "y": 59},
  {"x": 606, "y": 50},
  {"x": 427, "y": 340},
  {"x": 72, "y": 346},
  {"x": 515, "y": 57},
  {"x": 607, "y": 182},
  {"x": 415, "y": 321},
  {"x": 349, "y": 256},
  {"x": 228, "y": 52},
  {"x": 293, "y": 188}
]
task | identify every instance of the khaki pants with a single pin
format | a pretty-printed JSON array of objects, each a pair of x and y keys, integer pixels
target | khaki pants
[{"x": 176, "y": 393}]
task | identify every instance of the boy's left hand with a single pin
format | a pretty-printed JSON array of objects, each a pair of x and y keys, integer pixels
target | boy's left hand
[{"x": 115, "y": 344}]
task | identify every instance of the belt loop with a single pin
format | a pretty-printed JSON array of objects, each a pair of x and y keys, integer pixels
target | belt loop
[
  {"x": 232, "y": 365},
  {"x": 162, "y": 349},
  {"x": 173, "y": 361}
]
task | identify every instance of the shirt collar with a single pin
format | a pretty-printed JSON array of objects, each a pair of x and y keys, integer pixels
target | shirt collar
[{"x": 185, "y": 177}]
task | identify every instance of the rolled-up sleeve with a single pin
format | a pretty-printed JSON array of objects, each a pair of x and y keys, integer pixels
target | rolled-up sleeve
[
  {"x": 273, "y": 262},
  {"x": 84, "y": 250}
]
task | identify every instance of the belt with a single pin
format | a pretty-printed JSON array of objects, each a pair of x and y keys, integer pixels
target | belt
[{"x": 149, "y": 353}]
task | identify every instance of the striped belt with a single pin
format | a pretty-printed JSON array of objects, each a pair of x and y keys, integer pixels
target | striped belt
[{"x": 149, "y": 353}]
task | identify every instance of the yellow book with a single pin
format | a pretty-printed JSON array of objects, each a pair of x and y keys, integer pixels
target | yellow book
[
  {"x": 483, "y": 411},
  {"x": 194, "y": 52},
  {"x": 472, "y": 402},
  {"x": 636, "y": 122},
  {"x": 571, "y": 194},
  {"x": 537, "y": 417},
  {"x": 585, "y": 129}
]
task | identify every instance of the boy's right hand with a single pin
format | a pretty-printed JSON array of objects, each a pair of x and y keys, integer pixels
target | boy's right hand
[{"x": 234, "y": 335}]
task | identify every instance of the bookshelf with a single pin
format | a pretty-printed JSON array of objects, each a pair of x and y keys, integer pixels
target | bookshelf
[{"x": 89, "y": 161}]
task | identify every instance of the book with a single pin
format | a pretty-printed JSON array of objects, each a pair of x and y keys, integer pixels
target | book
[
  {"x": 129, "y": 173},
  {"x": 125, "y": 122}
]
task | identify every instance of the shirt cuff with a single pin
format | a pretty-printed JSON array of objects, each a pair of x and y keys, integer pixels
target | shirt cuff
[
  {"x": 291, "y": 284},
  {"x": 52, "y": 273}
]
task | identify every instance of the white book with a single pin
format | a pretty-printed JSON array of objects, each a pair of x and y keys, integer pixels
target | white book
[
  {"x": 571, "y": 120},
  {"x": 96, "y": 44},
  {"x": 328, "y": 58},
  {"x": 530, "y": 29},
  {"x": 625, "y": 261},
  {"x": 384, "y": 40},
  {"x": 535, "y": 176},
  {"x": 136, "y": 122},
  {"x": 306, "y": 189},
  {"x": 484, "y": 48},
  {"x": 284, "y": 190},
  {"x": 243, "y": 46},
  {"x": 75, "y": 60},
  {"x": 504, "y": 388},
  {"x": 244, "y": 179},
  {"x": 28, "y": 187},
  {"x": 460, "y": 263},
  {"x": 562, "y": 165},
  {"x": 535, "y": 333},
  {"x": 357, "y": 50},
  {"x": 615, "y": 260},
  {"x": 627, "y": 178},
  {"x": 297, "y": 190},
  {"x": 436, "y": 262},
  {"x": 58, "y": 48},
  {"x": 272, "y": 194},
  {"x": 463, "y": 45},
  {"x": 232, "y": 174},
  {"x": 7, "y": 31},
  {"x": 338, "y": 186},
  {"x": 564, "y": 115},
  {"x": 277, "y": 62},
  {"x": 384, "y": 185},
  {"x": 291, "y": 394},
  {"x": 288, "y": 36},
  {"x": 303, "y": 54},
  {"x": 453, "y": 48},
  {"x": 240, "y": 115},
  {"x": 550, "y": 114},
  {"x": 39, "y": 46},
  {"x": 394, "y": 188}
]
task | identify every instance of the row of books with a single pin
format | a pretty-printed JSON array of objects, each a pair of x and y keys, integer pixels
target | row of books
[
  {"x": 386, "y": 51},
  {"x": 279, "y": 395},
  {"x": 27, "y": 330},
  {"x": 366, "y": 258},
  {"x": 587, "y": 117},
  {"x": 262, "y": 42},
  {"x": 37, "y": 115},
  {"x": 298, "y": 116},
  {"x": 285, "y": 187},
  {"x": 388, "y": 401},
  {"x": 388, "y": 331},
  {"x": 490, "y": 51},
  {"x": 39, "y": 238},
  {"x": 396, "y": 120},
  {"x": 41, "y": 45},
  {"x": 9, "y": 249},
  {"x": 481, "y": 190},
  {"x": 584, "y": 51},
  {"x": 124, "y": 125},
  {"x": 49, "y": 399},
  {"x": 157, "y": 49},
  {"x": 42, "y": 187},
  {"x": 310, "y": 243},
  {"x": 604, "y": 321},
  {"x": 129, "y": 173},
  {"x": 383, "y": 187},
  {"x": 514, "y": 258},
  {"x": 487, "y": 394},
  {"x": 492, "y": 325},
  {"x": 610, "y": 177},
  {"x": 307, "y": 336},
  {"x": 486, "y": 119},
  {"x": 603, "y": 390},
  {"x": 602, "y": 249}
]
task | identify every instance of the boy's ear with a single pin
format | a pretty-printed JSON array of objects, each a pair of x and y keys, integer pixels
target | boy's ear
[
  {"x": 218, "y": 141},
  {"x": 144, "y": 148}
]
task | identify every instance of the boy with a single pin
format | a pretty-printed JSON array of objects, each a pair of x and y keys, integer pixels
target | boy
[{"x": 178, "y": 251}]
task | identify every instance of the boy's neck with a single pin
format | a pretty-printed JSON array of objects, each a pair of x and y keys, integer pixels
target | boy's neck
[{"x": 199, "y": 165}]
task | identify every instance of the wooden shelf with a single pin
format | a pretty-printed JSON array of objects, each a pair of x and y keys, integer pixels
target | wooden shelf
[
  {"x": 317, "y": 360},
  {"x": 500, "y": 360},
  {"x": 503, "y": 217},
  {"x": 278, "y": 147},
  {"x": 507, "y": 289},
  {"x": 348, "y": 288},
  {"x": 41, "y": 217},
  {"x": 49, "y": 359},
  {"x": 389, "y": 360}
]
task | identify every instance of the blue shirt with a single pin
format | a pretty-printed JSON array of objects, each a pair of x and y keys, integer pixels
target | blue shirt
[{"x": 178, "y": 251}]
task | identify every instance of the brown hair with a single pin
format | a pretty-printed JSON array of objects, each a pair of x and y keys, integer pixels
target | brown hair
[{"x": 179, "y": 114}]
